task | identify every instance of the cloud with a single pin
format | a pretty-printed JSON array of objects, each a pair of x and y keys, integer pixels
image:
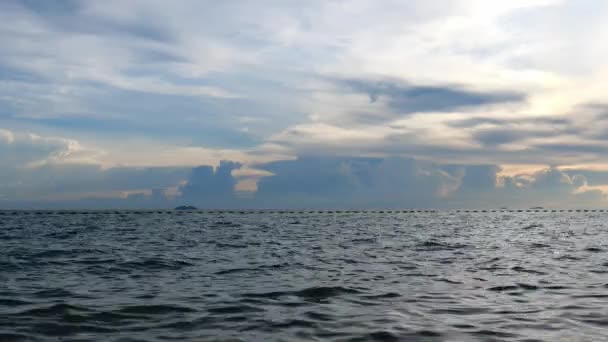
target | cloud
[
  {"x": 495, "y": 137},
  {"x": 211, "y": 187},
  {"x": 351, "y": 182},
  {"x": 39, "y": 168},
  {"x": 477, "y": 178},
  {"x": 548, "y": 187},
  {"x": 73, "y": 15},
  {"x": 306, "y": 182},
  {"x": 593, "y": 177},
  {"x": 405, "y": 98},
  {"x": 21, "y": 150},
  {"x": 433, "y": 96},
  {"x": 481, "y": 120}
]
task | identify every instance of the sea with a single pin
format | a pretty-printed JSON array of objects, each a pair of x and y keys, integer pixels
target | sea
[{"x": 431, "y": 276}]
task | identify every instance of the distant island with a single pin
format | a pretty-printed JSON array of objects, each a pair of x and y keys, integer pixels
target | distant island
[{"x": 185, "y": 207}]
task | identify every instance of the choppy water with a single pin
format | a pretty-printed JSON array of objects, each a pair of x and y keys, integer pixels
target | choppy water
[{"x": 445, "y": 276}]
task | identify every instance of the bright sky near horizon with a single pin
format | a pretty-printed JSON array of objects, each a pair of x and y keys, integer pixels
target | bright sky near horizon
[{"x": 361, "y": 103}]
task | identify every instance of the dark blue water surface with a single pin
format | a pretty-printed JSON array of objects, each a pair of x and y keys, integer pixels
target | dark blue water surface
[{"x": 336, "y": 276}]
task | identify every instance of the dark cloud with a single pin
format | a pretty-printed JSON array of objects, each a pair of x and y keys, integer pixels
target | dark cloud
[
  {"x": 307, "y": 182},
  {"x": 155, "y": 56},
  {"x": 409, "y": 98},
  {"x": 10, "y": 73},
  {"x": 574, "y": 148},
  {"x": 504, "y": 131},
  {"x": 312, "y": 175},
  {"x": 479, "y": 178},
  {"x": 599, "y": 109},
  {"x": 352, "y": 182},
  {"x": 315, "y": 182},
  {"x": 211, "y": 187},
  {"x": 59, "y": 179},
  {"x": 553, "y": 180},
  {"x": 495, "y": 137},
  {"x": 474, "y": 122},
  {"x": 550, "y": 187},
  {"x": 504, "y": 135},
  {"x": 70, "y": 16},
  {"x": 120, "y": 178},
  {"x": 50, "y": 7},
  {"x": 349, "y": 182},
  {"x": 367, "y": 118},
  {"x": 478, "y": 121},
  {"x": 593, "y": 177}
]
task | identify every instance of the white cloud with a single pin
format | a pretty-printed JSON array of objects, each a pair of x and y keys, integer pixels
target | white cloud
[
  {"x": 21, "y": 150},
  {"x": 270, "y": 81}
]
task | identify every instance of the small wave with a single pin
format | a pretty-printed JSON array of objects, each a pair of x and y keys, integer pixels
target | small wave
[
  {"x": 385, "y": 336},
  {"x": 324, "y": 292},
  {"x": 364, "y": 240},
  {"x": 182, "y": 325},
  {"x": 7, "y": 266},
  {"x": 253, "y": 269},
  {"x": 568, "y": 257},
  {"x": 503, "y": 288},
  {"x": 387, "y": 295},
  {"x": 155, "y": 264},
  {"x": 527, "y": 286},
  {"x": 294, "y": 323},
  {"x": 154, "y": 309},
  {"x": 494, "y": 333},
  {"x": 461, "y": 311},
  {"x": 52, "y": 253},
  {"x": 556, "y": 287},
  {"x": 62, "y": 329},
  {"x": 95, "y": 261},
  {"x": 600, "y": 322},
  {"x": 532, "y": 226},
  {"x": 12, "y": 302},
  {"x": 63, "y": 235},
  {"x": 317, "y": 292},
  {"x": 428, "y": 275},
  {"x": 513, "y": 287},
  {"x": 525, "y": 270},
  {"x": 489, "y": 261},
  {"x": 7, "y": 237},
  {"x": 591, "y": 295},
  {"x": 54, "y": 293},
  {"x": 431, "y": 245},
  {"x": 227, "y": 224},
  {"x": 230, "y": 245},
  {"x": 14, "y": 337},
  {"x": 234, "y": 309},
  {"x": 53, "y": 310},
  {"x": 446, "y": 280},
  {"x": 58, "y": 253},
  {"x": 317, "y": 316}
]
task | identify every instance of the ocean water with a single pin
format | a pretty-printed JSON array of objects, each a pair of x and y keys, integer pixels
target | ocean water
[{"x": 303, "y": 276}]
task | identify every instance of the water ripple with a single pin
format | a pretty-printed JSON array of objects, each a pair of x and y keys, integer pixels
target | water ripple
[{"x": 300, "y": 276}]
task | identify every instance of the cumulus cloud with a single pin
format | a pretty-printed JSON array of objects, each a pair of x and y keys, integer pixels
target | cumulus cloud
[
  {"x": 46, "y": 168},
  {"x": 351, "y": 182},
  {"x": 211, "y": 187},
  {"x": 306, "y": 182},
  {"x": 19, "y": 149}
]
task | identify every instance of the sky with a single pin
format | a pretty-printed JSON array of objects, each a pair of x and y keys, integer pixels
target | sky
[{"x": 303, "y": 104}]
